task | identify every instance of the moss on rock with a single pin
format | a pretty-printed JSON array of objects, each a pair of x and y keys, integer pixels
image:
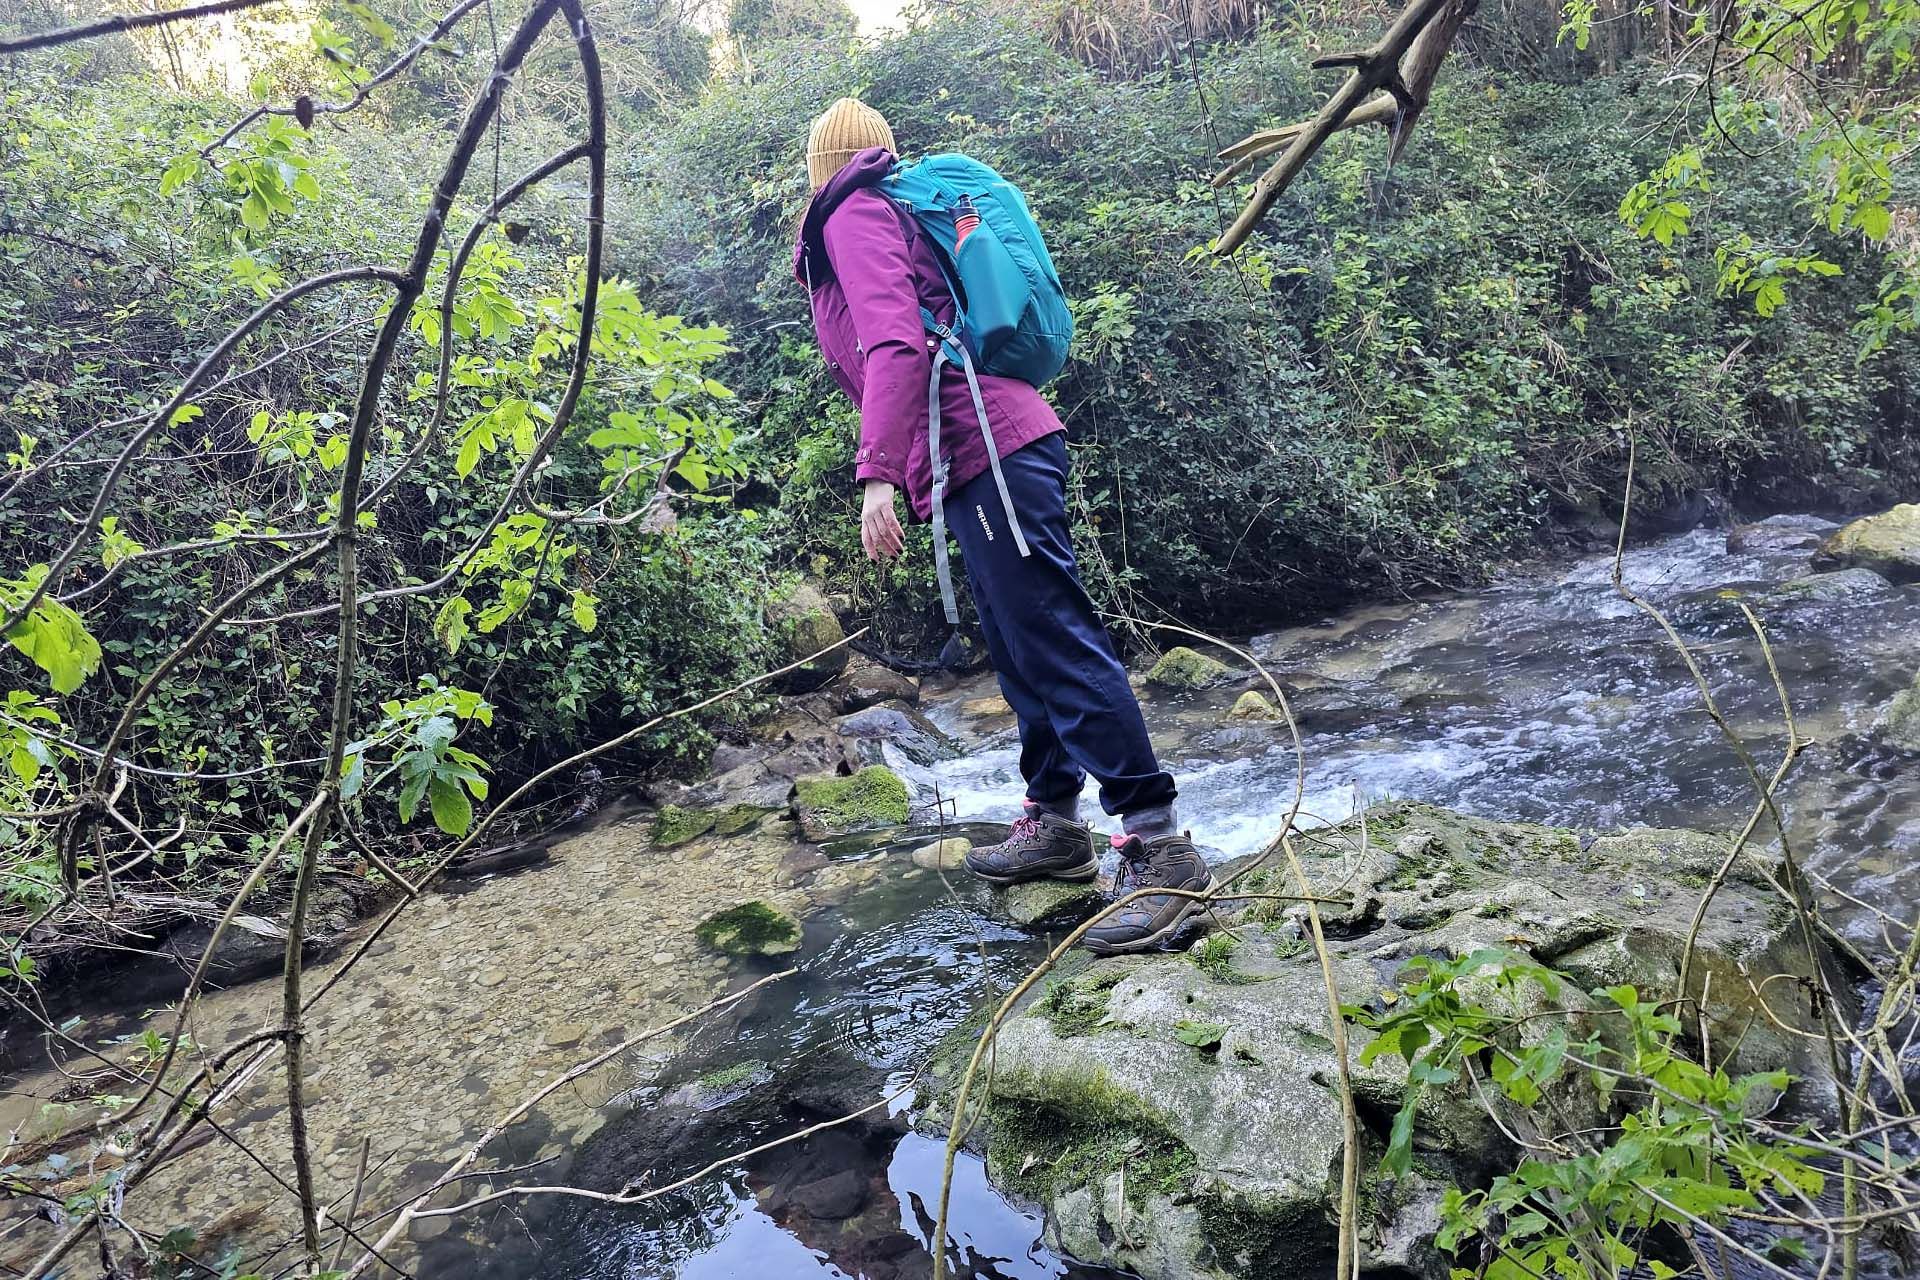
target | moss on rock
[
  {"x": 756, "y": 928},
  {"x": 1050, "y": 904},
  {"x": 803, "y": 622},
  {"x": 1888, "y": 543},
  {"x": 1253, "y": 705},
  {"x": 674, "y": 826},
  {"x": 1184, "y": 668},
  {"x": 739, "y": 818},
  {"x": 829, "y": 805}
]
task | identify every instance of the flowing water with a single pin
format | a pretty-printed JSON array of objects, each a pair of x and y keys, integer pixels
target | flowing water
[{"x": 1544, "y": 697}]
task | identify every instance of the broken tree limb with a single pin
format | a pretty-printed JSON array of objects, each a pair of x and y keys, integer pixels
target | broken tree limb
[{"x": 1404, "y": 63}]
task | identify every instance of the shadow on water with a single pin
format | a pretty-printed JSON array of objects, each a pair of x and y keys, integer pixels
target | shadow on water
[{"x": 884, "y": 980}]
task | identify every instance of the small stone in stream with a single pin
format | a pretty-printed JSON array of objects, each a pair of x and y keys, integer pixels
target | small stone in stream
[
  {"x": 1050, "y": 904},
  {"x": 990, "y": 707},
  {"x": 566, "y": 1034},
  {"x": 1253, "y": 705},
  {"x": 739, "y": 818},
  {"x": 1888, "y": 543},
  {"x": 1184, "y": 668},
  {"x": 1900, "y": 722},
  {"x": 492, "y": 977},
  {"x": 1842, "y": 586},
  {"x": 674, "y": 826},
  {"x": 943, "y": 855},
  {"x": 1778, "y": 534},
  {"x": 800, "y": 864},
  {"x": 829, "y": 805},
  {"x": 493, "y": 861},
  {"x": 756, "y": 928}
]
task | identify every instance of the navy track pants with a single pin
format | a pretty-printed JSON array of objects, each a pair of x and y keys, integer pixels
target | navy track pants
[{"x": 1056, "y": 663}]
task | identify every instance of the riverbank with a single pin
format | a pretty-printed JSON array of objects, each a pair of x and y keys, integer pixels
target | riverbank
[{"x": 1544, "y": 697}]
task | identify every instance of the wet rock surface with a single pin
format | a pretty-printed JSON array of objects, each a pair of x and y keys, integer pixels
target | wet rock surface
[
  {"x": 1887, "y": 543},
  {"x": 803, "y": 622},
  {"x": 833, "y": 805},
  {"x": 1183, "y": 668},
  {"x": 1177, "y": 1113}
]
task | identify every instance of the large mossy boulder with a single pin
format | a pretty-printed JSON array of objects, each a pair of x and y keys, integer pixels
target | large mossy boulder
[
  {"x": 1177, "y": 1115},
  {"x": 832, "y": 805},
  {"x": 1888, "y": 544},
  {"x": 802, "y": 624},
  {"x": 1184, "y": 668}
]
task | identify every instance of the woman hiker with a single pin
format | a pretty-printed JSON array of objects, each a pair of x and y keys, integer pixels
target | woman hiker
[{"x": 869, "y": 271}]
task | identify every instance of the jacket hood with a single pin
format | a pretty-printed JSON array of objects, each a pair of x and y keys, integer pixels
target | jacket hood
[{"x": 866, "y": 169}]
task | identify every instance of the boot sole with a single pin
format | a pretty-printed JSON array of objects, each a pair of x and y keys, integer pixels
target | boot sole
[
  {"x": 1152, "y": 940},
  {"x": 1078, "y": 875}
]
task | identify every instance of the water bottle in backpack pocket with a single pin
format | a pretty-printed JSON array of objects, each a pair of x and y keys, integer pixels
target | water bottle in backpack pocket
[{"x": 1009, "y": 307}]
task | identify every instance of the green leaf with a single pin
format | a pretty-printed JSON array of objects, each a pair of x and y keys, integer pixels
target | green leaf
[
  {"x": 1201, "y": 1035},
  {"x": 584, "y": 615},
  {"x": 1399, "y": 1157},
  {"x": 452, "y": 812},
  {"x": 51, "y": 634}
]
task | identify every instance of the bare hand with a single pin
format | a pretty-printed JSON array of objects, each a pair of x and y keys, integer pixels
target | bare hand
[{"x": 879, "y": 527}]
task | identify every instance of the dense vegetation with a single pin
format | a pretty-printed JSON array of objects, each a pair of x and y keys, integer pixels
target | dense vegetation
[{"x": 1401, "y": 381}]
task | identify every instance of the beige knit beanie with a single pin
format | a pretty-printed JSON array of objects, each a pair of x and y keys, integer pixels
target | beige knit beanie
[{"x": 843, "y": 130}]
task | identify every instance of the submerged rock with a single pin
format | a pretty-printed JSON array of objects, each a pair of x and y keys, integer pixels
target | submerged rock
[
  {"x": 943, "y": 855},
  {"x": 991, "y": 707},
  {"x": 675, "y": 825},
  {"x": 1888, "y": 543},
  {"x": 1176, "y": 1115},
  {"x": 832, "y": 805},
  {"x": 803, "y": 623},
  {"x": 756, "y": 928},
  {"x": 1184, "y": 668},
  {"x": 1840, "y": 586}
]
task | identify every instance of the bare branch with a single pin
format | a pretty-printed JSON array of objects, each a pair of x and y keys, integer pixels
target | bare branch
[
  {"x": 1374, "y": 69},
  {"x": 124, "y": 22}
]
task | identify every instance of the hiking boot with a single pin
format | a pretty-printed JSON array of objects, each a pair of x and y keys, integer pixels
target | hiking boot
[
  {"x": 1041, "y": 845},
  {"x": 1164, "y": 862}
]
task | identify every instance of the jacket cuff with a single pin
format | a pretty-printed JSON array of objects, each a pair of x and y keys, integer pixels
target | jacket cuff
[
  {"x": 872, "y": 463},
  {"x": 878, "y": 470}
]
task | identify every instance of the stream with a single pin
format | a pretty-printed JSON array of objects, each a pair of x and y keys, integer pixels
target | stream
[{"x": 1544, "y": 697}]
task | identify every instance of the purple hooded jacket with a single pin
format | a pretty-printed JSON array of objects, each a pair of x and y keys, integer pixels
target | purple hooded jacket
[{"x": 869, "y": 271}]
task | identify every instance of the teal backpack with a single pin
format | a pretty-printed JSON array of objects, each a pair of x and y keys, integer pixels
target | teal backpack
[{"x": 1011, "y": 316}]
